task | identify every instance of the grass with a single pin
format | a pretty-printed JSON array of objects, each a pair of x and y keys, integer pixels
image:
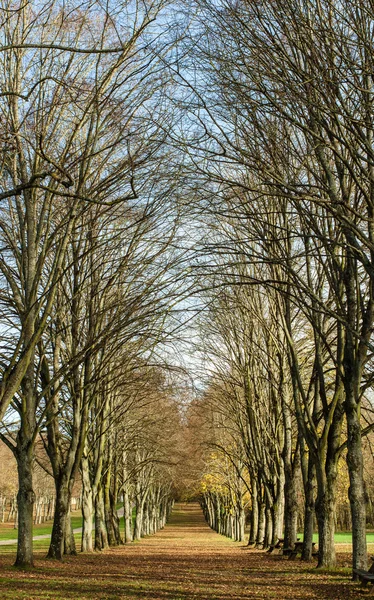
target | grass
[
  {"x": 7, "y": 531},
  {"x": 343, "y": 537}
]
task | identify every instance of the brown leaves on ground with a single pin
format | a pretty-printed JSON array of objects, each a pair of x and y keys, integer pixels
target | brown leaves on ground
[{"x": 185, "y": 561}]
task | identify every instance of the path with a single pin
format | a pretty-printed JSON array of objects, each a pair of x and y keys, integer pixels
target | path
[{"x": 185, "y": 561}]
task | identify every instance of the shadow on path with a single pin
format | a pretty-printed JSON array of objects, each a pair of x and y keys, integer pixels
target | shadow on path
[{"x": 185, "y": 561}]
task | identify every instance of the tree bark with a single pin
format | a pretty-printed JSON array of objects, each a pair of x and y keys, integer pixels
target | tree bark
[
  {"x": 309, "y": 507},
  {"x": 325, "y": 511},
  {"x": 24, "y": 453},
  {"x": 127, "y": 516},
  {"x": 254, "y": 513},
  {"x": 87, "y": 507},
  {"x": 61, "y": 523},
  {"x": 354, "y": 358},
  {"x": 101, "y": 536},
  {"x": 25, "y": 500},
  {"x": 261, "y": 523},
  {"x": 356, "y": 492}
]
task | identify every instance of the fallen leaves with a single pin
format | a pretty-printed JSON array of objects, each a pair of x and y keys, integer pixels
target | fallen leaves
[{"x": 185, "y": 561}]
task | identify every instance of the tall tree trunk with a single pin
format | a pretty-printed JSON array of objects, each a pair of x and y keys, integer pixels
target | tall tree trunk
[
  {"x": 290, "y": 512},
  {"x": 309, "y": 491},
  {"x": 355, "y": 356},
  {"x": 290, "y": 471},
  {"x": 325, "y": 511},
  {"x": 241, "y": 524},
  {"x": 279, "y": 507},
  {"x": 87, "y": 506},
  {"x": 61, "y": 522},
  {"x": 24, "y": 453},
  {"x": 108, "y": 509},
  {"x": 139, "y": 507},
  {"x": 25, "y": 500},
  {"x": 269, "y": 525},
  {"x": 253, "y": 531},
  {"x": 101, "y": 536},
  {"x": 357, "y": 495},
  {"x": 127, "y": 515},
  {"x": 69, "y": 539},
  {"x": 219, "y": 516},
  {"x": 261, "y": 523}
]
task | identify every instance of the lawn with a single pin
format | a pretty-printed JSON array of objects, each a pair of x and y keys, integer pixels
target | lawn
[
  {"x": 7, "y": 532},
  {"x": 343, "y": 537}
]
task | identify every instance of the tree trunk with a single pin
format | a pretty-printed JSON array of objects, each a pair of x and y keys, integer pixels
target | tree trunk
[
  {"x": 87, "y": 507},
  {"x": 241, "y": 524},
  {"x": 101, "y": 536},
  {"x": 127, "y": 516},
  {"x": 261, "y": 524},
  {"x": 109, "y": 517},
  {"x": 60, "y": 521},
  {"x": 254, "y": 513},
  {"x": 290, "y": 512},
  {"x": 268, "y": 527},
  {"x": 279, "y": 517},
  {"x": 69, "y": 540},
  {"x": 145, "y": 524},
  {"x": 219, "y": 516},
  {"x": 357, "y": 496},
  {"x": 25, "y": 500},
  {"x": 325, "y": 511},
  {"x": 24, "y": 453},
  {"x": 309, "y": 512},
  {"x": 138, "y": 520},
  {"x": 355, "y": 356},
  {"x": 290, "y": 471}
]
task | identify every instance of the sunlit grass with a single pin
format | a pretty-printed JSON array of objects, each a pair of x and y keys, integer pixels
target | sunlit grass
[{"x": 342, "y": 537}]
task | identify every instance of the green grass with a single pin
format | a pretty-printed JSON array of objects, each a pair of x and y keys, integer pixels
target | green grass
[
  {"x": 38, "y": 545},
  {"x": 343, "y": 537},
  {"x": 9, "y": 533},
  {"x": 43, "y": 545}
]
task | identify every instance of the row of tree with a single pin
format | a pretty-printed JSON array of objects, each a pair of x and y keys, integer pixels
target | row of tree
[
  {"x": 280, "y": 139},
  {"x": 87, "y": 260},
  {"x": 257, "y": 117}
]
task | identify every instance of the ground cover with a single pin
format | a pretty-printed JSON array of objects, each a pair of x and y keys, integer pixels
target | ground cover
[
  {"x": 185, "y": 561},
  {"x": 7, "y": 531},
  {"x": 343, "y": 537},
  {"x": 41, "y": 545}
]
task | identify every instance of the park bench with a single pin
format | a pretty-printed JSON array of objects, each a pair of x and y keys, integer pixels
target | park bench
[
  {"x": 298, "y": 548},
  {"x": 276, "y": 548},
  {"x": 365, "y": 577},
  {"x": 289, "y": 551}
]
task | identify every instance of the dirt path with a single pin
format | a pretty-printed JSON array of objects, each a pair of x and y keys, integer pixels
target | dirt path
[{"x": 185, "y": 561}]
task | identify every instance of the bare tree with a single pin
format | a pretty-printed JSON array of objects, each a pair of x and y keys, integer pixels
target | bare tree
[{"x": 75, "y": 90}]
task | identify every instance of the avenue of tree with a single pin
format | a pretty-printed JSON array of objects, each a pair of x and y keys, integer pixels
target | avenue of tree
[{"x": 201, "y": 170}]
